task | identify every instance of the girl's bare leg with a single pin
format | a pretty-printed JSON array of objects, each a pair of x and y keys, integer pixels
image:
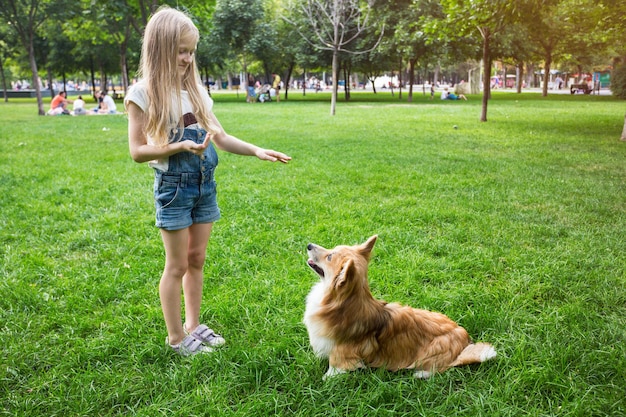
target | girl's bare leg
[
  {"x": 199, "y": 235},
  {"x": 176, "y": 265}
]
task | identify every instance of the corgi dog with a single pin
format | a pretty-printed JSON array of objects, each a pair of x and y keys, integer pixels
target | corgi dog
[{"x": 347, "y": 325}]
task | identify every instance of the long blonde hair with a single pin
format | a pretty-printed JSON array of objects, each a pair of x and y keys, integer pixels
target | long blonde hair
[{"x": 159, "y": 68}]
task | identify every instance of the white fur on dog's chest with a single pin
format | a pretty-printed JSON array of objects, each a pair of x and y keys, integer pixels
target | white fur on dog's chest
[{"x": 321, "y": 345}]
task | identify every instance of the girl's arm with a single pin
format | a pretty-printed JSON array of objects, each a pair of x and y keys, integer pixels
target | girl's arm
[
  {"x": 231, "y": 144},
  {"x": 141, "y": 151}
]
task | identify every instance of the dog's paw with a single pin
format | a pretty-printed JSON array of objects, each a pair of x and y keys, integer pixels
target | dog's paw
[
  {"x": 332, "y": 371},
  {"x": 422, "y": 374}
]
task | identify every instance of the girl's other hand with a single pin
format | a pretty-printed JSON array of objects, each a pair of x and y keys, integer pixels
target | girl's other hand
[{"x": 272, "y": 156}]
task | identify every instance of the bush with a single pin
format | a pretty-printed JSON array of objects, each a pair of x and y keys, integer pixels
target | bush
[{"x": 618, "y": 81}]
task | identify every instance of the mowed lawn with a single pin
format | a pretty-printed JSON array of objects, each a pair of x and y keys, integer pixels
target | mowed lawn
[{"x": 515, "y": 228}]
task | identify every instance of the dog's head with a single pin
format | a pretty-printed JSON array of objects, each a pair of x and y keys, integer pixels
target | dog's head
[{"x": 342, "y": 265}]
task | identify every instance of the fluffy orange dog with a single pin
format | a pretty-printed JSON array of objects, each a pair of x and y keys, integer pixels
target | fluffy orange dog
[{"x": 353, "y": 330}]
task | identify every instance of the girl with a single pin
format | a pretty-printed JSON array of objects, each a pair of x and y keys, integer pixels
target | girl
[{"x": 171, "y": 126}]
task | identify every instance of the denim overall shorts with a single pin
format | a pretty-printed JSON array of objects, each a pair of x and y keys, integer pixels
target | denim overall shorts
[{"x": 186, "y": 193}]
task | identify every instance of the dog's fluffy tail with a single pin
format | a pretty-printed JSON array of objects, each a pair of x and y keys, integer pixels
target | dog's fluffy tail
[{"x": 475, "y": 352}]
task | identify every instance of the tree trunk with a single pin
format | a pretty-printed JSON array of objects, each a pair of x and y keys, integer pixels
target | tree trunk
[
  {"x": 333, "y": 98},
  {"x": 104, "y": 86},
  {"x": 530, "y": 74},
  {"x": 411, "y": 79},
  {"x": 519, "y": 76},
  {"x": 371, "y": 78},
  {"x": 474, "y": 79},
  {"x": 346, "y": 80},
  {"x": 33, "y": 68},
  {"x": 206, "y": 81},
  {"x": 4, "y": 83},
  {"x": 50, "y": 84},
  {"x": 288, "y": 79},
  {"x": 546, "y": 73},
  {"x": 400, "y": 81},
  {"x": 486, "y": 73},
  {"x": 268, "y": 74},
  {"x": 93, "y": 80},
  {"x": 335, "y": 69},
  {"x": 229, "y": 78},
  {"x": 123, "y": 51}
]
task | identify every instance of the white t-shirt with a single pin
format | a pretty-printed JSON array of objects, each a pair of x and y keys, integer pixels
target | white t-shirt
[
  {"x": 138, "y": 94},
  {"x": 79, "y": 107},
  {"x": 79, "y": 104},
  {"x": 110, "y": 103}
]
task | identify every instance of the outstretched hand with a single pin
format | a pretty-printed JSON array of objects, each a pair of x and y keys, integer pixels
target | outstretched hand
[
  {"x": 272, "y": 156},
  {"x": 197, "y": 148}
]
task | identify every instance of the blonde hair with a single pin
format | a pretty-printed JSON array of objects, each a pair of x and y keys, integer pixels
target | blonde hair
[{"x": 159, "y": 68}]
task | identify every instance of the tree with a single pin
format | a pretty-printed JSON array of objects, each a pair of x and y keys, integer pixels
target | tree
[
  {"x": 411, "y": 39},
  {"x": 488, "y": 18},
  {"x": 234, "y": 24},
  {"x": 516, "y": 48},
  {"x": 25, "y": 18},
  {"x": 336, "y": 25},
  {"x": 6, "y": 50},
  {"x": 376, "y": 62},
  {"x": 108, "y": 24},
  {"x": 613, "y": 26},
  {"x": 265, "y": 45},
  {"x": 279, "y": 51},
  {"x": 545, "y": 30},
  {"x": 55, "y": 51}
]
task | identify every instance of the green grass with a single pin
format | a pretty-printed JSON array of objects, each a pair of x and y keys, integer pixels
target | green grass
[{"x": 515, "y": 228}]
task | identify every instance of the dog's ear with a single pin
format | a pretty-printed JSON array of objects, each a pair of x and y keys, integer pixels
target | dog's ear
[
  {"x": 347, "y": 269},
  {"x": 366, "y": 248}
]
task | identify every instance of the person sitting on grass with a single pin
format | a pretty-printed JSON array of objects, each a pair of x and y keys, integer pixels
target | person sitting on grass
[
  {"x": 108, "y": 104},
  {"x": 79, "y": 107},
  {"x": 98, "y": 97},
  {"x": 58, "y": 105},
  {"x": 446, "y": 95}
]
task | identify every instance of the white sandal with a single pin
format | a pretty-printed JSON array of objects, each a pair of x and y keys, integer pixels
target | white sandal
[
  {"x": 206, "y": 336},
  {"x": 189, "y": 346}
]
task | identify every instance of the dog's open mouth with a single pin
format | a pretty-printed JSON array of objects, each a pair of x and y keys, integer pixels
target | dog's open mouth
[{"x": 316, "y": 268}]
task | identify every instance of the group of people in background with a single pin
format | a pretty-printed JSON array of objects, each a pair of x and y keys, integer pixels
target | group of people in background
[
  {"x": 59, "y": 105},
  {"x": 447, "y": 95},
  {"x": 256, "y": 92}
]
